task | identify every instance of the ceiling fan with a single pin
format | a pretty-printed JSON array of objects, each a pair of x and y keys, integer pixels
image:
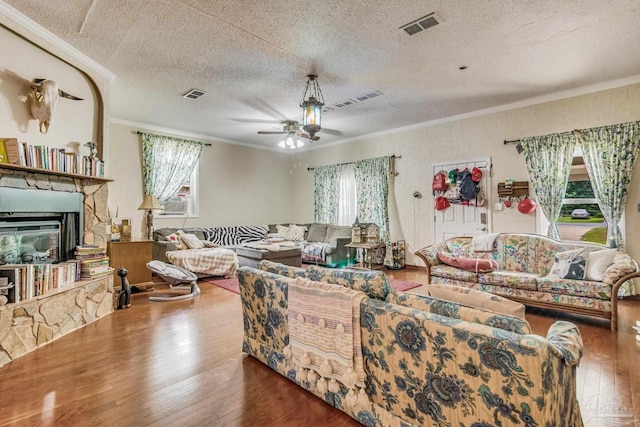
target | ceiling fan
[{"x": 291, "y": 127}]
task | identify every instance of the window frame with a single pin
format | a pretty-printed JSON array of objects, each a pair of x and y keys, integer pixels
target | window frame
[
  {"x": 194, "y": 202},
  {"x": 542, "y": 224}
]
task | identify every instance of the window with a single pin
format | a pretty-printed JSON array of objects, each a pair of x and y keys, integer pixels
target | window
[
  {"x": 347, "y": 203},
  {"x": 185, "y": 202},
  {"x": 580, "y": 217}
]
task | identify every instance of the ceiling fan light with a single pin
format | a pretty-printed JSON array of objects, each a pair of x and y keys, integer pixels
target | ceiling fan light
[
  {"x": 299, "y": 142},
  {"x": 291, "y": 141},
  {"x": 282, "y": 144}
]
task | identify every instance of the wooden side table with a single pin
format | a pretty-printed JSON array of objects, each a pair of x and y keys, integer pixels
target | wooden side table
[
  {"x": 134, "y": 256},
  {"x": 367, "y": 255}
]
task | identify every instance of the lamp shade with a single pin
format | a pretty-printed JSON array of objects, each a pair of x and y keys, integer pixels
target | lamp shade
[{"x": 150, "y": 203}]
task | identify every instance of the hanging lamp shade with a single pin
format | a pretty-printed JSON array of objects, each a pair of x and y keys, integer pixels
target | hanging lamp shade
[
  {"x": 311, "y": 104},
  {"x": 291, "y": 141}
]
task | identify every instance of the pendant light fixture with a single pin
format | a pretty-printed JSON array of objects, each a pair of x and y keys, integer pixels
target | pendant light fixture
[{"x": 312, "y": 106}]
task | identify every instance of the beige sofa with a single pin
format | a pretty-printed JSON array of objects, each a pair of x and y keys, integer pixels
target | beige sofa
[
  {"x": 524, "y": 262},
  {"x": 426, "y": 362},
  {"x": 322, "y": 244}
]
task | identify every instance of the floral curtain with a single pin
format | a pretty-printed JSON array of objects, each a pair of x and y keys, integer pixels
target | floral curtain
[
  {"x": 167, "y": 163},
  {"x": 326, "y": 193},
  {"x": 549, "y": 159},
  {"x": 372, "y": 182},
  {"x": 610, "y": 154}
]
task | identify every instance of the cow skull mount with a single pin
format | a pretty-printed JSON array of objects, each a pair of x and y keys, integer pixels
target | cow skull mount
[{"x": 45, "y": 97}]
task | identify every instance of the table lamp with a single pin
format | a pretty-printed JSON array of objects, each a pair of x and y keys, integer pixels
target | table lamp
[{"x": 150, "y": 203}]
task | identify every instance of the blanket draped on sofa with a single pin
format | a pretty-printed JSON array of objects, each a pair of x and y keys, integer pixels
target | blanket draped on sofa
[{"x": 324, "y": 337}]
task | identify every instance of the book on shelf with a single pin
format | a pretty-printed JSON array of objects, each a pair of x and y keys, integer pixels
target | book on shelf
[
  {"x": 32, "y": 280},
  {"x": 49, "y": 158},
  {"x": 12, "y": 150},
  {"x": 90, "y": 251},
  {"x": 10, "y": 283},
  {"x": 3, "y": 152}
]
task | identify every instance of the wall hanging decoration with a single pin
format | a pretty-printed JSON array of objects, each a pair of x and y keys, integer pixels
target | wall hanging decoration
[{"x": 45, "y": 97}]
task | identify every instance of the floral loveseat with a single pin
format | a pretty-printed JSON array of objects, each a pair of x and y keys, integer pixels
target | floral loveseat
[
  {"x": 524, "y": 262},
  {"x": 425, "y": 361}
]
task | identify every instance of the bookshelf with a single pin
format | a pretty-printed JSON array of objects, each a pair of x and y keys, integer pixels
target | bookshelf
[{"x": 9, "y": 166}]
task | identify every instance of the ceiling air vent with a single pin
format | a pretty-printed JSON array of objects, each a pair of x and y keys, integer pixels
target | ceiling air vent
[
  {"x": 351, "y": 101},
  {"x": 368, "y": 96},
  {"x": 424, "y": 23},
  {"x": 194, "y": 94}
]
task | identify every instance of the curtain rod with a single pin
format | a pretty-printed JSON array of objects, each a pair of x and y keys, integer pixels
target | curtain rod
[
  {"x": 206, "y": 144},
  {"x": 513, "y": 141},
  {"x": 393, "y": 156}
]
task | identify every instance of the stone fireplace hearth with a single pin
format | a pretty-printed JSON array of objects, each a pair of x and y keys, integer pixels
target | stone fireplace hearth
[
  {"x": 95, "y": 193},
  {"x": 34, "y": 322}
]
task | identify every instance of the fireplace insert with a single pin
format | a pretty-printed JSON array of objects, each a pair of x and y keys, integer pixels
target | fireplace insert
[{"x": 39, "y": 226}]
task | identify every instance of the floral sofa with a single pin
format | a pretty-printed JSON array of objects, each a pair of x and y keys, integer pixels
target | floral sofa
[
  {"x": 321, "y": 244},
  {"x": 524, "y": 263},
  {"x": 426, "y": 361}
]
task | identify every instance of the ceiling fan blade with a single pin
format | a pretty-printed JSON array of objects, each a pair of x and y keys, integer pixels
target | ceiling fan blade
[
  {"x": 257, "y": 121},
  {"x": 331, "y": 131},
  {"x": 264, "y": 132},
  {"x": 305, "y": 135}
]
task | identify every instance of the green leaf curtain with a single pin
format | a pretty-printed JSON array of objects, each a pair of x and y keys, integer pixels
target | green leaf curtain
[
  {"x": 372, "y": 182},
  {"x": 167, "y": 162},
  {"x": 326, "y": 193},
  {"x": 548, "y": 160},
  {"x": 610, "y": 154}
]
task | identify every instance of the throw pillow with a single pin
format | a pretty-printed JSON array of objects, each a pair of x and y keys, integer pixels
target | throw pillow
[
  {"x": 284, "y": 231},
  {"x": 597, "y": 263},
  {"x": 475, "y": 265},
  {"x": 477, "y": 299},
  {"x": 317, "y": 232},
  {"x": 570, "y": 264},
  {"x": 208, "y": 244},
  {"x": 296, "y": 232},
  {"x": 176, "y": 240},
  {"x": 191, "y": 240}
]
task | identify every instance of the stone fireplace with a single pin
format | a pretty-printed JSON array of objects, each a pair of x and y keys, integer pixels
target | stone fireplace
[
  {"x": 92, "y": 212},
  {"x": 55, "y": 213}
]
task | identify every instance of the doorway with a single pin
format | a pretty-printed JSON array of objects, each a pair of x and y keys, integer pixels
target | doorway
[{"x": 459, "y": 219}]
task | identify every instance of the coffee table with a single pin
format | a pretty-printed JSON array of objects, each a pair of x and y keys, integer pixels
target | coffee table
[{"x": 250, "y": 257}]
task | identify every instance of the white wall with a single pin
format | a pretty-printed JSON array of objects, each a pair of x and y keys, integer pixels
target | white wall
[
  {"x": 74, "y": 122},
  {"x": 237, "y": 185},
  {"x": 474, "y": 138}
]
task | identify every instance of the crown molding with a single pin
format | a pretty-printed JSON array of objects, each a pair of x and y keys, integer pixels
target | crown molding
[
  {"x": 35, "y": 33},
  {"x": 181, "y": 133},
  {"x": 543, "y": 99}
]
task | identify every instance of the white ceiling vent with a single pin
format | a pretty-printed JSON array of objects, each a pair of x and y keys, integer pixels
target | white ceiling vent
[
  {"x": 194, "y": 94},
  {"x": 424, "y": 23},
  {"x": 352, "y": 101}
]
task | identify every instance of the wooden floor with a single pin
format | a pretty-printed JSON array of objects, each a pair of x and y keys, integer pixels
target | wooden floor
[{"x": 180, "y": 364}]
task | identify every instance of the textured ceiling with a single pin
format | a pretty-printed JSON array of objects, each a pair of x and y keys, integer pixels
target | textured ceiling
[{"x": 251, "y": 57}]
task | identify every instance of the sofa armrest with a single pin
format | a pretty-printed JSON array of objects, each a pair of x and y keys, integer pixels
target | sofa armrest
[
  {"x": 429, "y": 254},
  {"x": 622, "y": 266},
  {"x": 337, "y": 242},
  {"x": 161, "y": 248},
  {"x": 566, "y": 342}
]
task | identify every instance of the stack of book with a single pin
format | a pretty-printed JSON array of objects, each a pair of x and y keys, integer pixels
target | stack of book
[
  {"x": 53, "y": 159},
  {"x": 94, "y": 262},
  {"x": 25, "y": 281}
]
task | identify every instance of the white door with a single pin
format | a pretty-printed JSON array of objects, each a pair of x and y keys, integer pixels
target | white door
[{"x": 460, "y": 220}]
